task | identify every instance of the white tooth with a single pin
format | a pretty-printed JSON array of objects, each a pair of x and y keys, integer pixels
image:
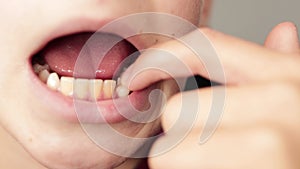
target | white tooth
[
  {"x": 43, "y": 75},
  {"x": 37, "y": 68},
  {"x": 122, "y": 91},
  {"x": 95, "y": 88},
  {"x": 66, "y": 85},
  {"x": 53, "y": 81},
  {"x": 108, "y": 88},
  {"x": 81, "y": 89}
]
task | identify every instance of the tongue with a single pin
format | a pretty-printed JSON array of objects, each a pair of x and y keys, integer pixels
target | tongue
[{"x": 100, "y": 56}]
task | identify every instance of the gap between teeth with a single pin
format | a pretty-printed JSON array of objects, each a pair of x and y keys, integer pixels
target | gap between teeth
[{"x": 84, "y": 89}]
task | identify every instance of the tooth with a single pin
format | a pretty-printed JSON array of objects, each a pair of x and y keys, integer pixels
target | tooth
[
  {"x": 118, "y": 81},
  {"x": 108, "y": 88},
  {"x": 43, "y": 75},
  {"x": 53, "y": 81},
  {"x": 66, "y": 85},
  {"x": 122, "y": 91},
  {"x": 37, "y": 68},
  {"x": 81, "y": 89},
  {"x": 95, "y": 88}
]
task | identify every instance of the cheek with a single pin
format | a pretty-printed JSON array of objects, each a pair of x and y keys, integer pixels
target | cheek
[{"x": 188, "y": 9}]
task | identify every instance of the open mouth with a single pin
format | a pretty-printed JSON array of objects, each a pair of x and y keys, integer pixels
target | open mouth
[
  {"x": 86, "y": 67},
  {"x": 58, "y": 65}
]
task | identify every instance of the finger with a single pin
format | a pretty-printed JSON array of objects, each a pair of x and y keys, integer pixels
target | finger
[
  {"x": 242, "y": 61},
  {"x": 241, "y": 107},
  {"x": 165, "y": 61},
  {"x": 284, "y": 38},
  {"x": 242, "y": 110},
  {"x": 258, "y": 147}
]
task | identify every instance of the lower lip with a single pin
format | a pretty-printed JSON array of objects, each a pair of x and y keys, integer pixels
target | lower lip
[{"x": 75, "y": 111}]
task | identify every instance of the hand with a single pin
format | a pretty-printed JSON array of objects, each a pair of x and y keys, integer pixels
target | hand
[{"x": 260, "y": 125}]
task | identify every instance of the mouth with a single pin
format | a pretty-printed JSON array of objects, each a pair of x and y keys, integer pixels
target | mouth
[
  {"x": 79, "y": 74},
  {"x": 70, "y": 65}
]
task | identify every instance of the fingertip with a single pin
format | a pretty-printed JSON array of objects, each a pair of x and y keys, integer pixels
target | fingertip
[
  {"x": 134, "y": 78},
  {"x": 283, "y": 38},
  {"x": 288, "y": 25}
]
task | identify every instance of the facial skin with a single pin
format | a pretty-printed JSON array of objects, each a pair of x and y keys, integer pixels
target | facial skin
[{"x": 26, "y": 27}]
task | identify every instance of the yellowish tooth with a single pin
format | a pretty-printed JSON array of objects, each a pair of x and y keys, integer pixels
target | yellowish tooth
[
  {"x": 43, "y": 75},
  {"x": 95, "y": 88},
  {"x": 81, "y": 89},
  {"x": 122, "y": 91},
  {"x": 37, "y": 68},
  {"x": 53, "y": 81},
  {"x": 108, "y": 88},
  {"x": 66, "y": 85}
]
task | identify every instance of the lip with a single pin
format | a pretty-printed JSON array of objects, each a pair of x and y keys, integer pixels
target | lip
[{"x": 74, "y": 111}]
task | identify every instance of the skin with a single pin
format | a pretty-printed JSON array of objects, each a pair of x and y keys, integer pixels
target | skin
[
  {"x": 254, "y": 136},
  {"x": 260, "y": 123},
  {"x": 36, "y": 138}
]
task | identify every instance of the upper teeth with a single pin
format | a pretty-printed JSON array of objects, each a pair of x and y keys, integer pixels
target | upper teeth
[{"x": 84, "y": 89}]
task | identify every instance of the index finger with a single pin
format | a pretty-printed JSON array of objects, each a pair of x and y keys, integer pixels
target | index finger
[{"x": 242, "y": 61}]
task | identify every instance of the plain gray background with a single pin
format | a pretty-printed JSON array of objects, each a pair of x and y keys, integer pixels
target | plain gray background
[{"x": 253, "y": 19}]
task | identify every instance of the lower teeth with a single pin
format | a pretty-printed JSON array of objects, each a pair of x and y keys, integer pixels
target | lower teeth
[{"x": 84, "y": 89}]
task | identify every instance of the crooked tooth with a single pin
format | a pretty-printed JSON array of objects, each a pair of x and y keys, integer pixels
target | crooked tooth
[
  {"x": 53, "y": 81},
  {"x": 81, "y": 89},
  {"x": 43, "y": 75},
  {"x": 122, "y": 91},
  {"x": 37, "y": 68},
  {"x": 108, "y": 88},
  {"x": 66, "y": 85},
  {"x": 95, "y": 88}
]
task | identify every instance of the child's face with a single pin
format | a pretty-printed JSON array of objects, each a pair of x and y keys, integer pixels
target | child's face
[{"x": 34, "y": 114}]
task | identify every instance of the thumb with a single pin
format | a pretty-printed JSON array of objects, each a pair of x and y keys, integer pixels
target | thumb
[{"x": 283, "y": 38}]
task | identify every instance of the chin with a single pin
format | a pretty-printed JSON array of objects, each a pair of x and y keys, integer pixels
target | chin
[{"x": 72, "y": 147}]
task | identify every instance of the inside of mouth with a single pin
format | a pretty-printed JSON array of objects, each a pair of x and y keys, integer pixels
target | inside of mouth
[{"x": 85, "y": 65}]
